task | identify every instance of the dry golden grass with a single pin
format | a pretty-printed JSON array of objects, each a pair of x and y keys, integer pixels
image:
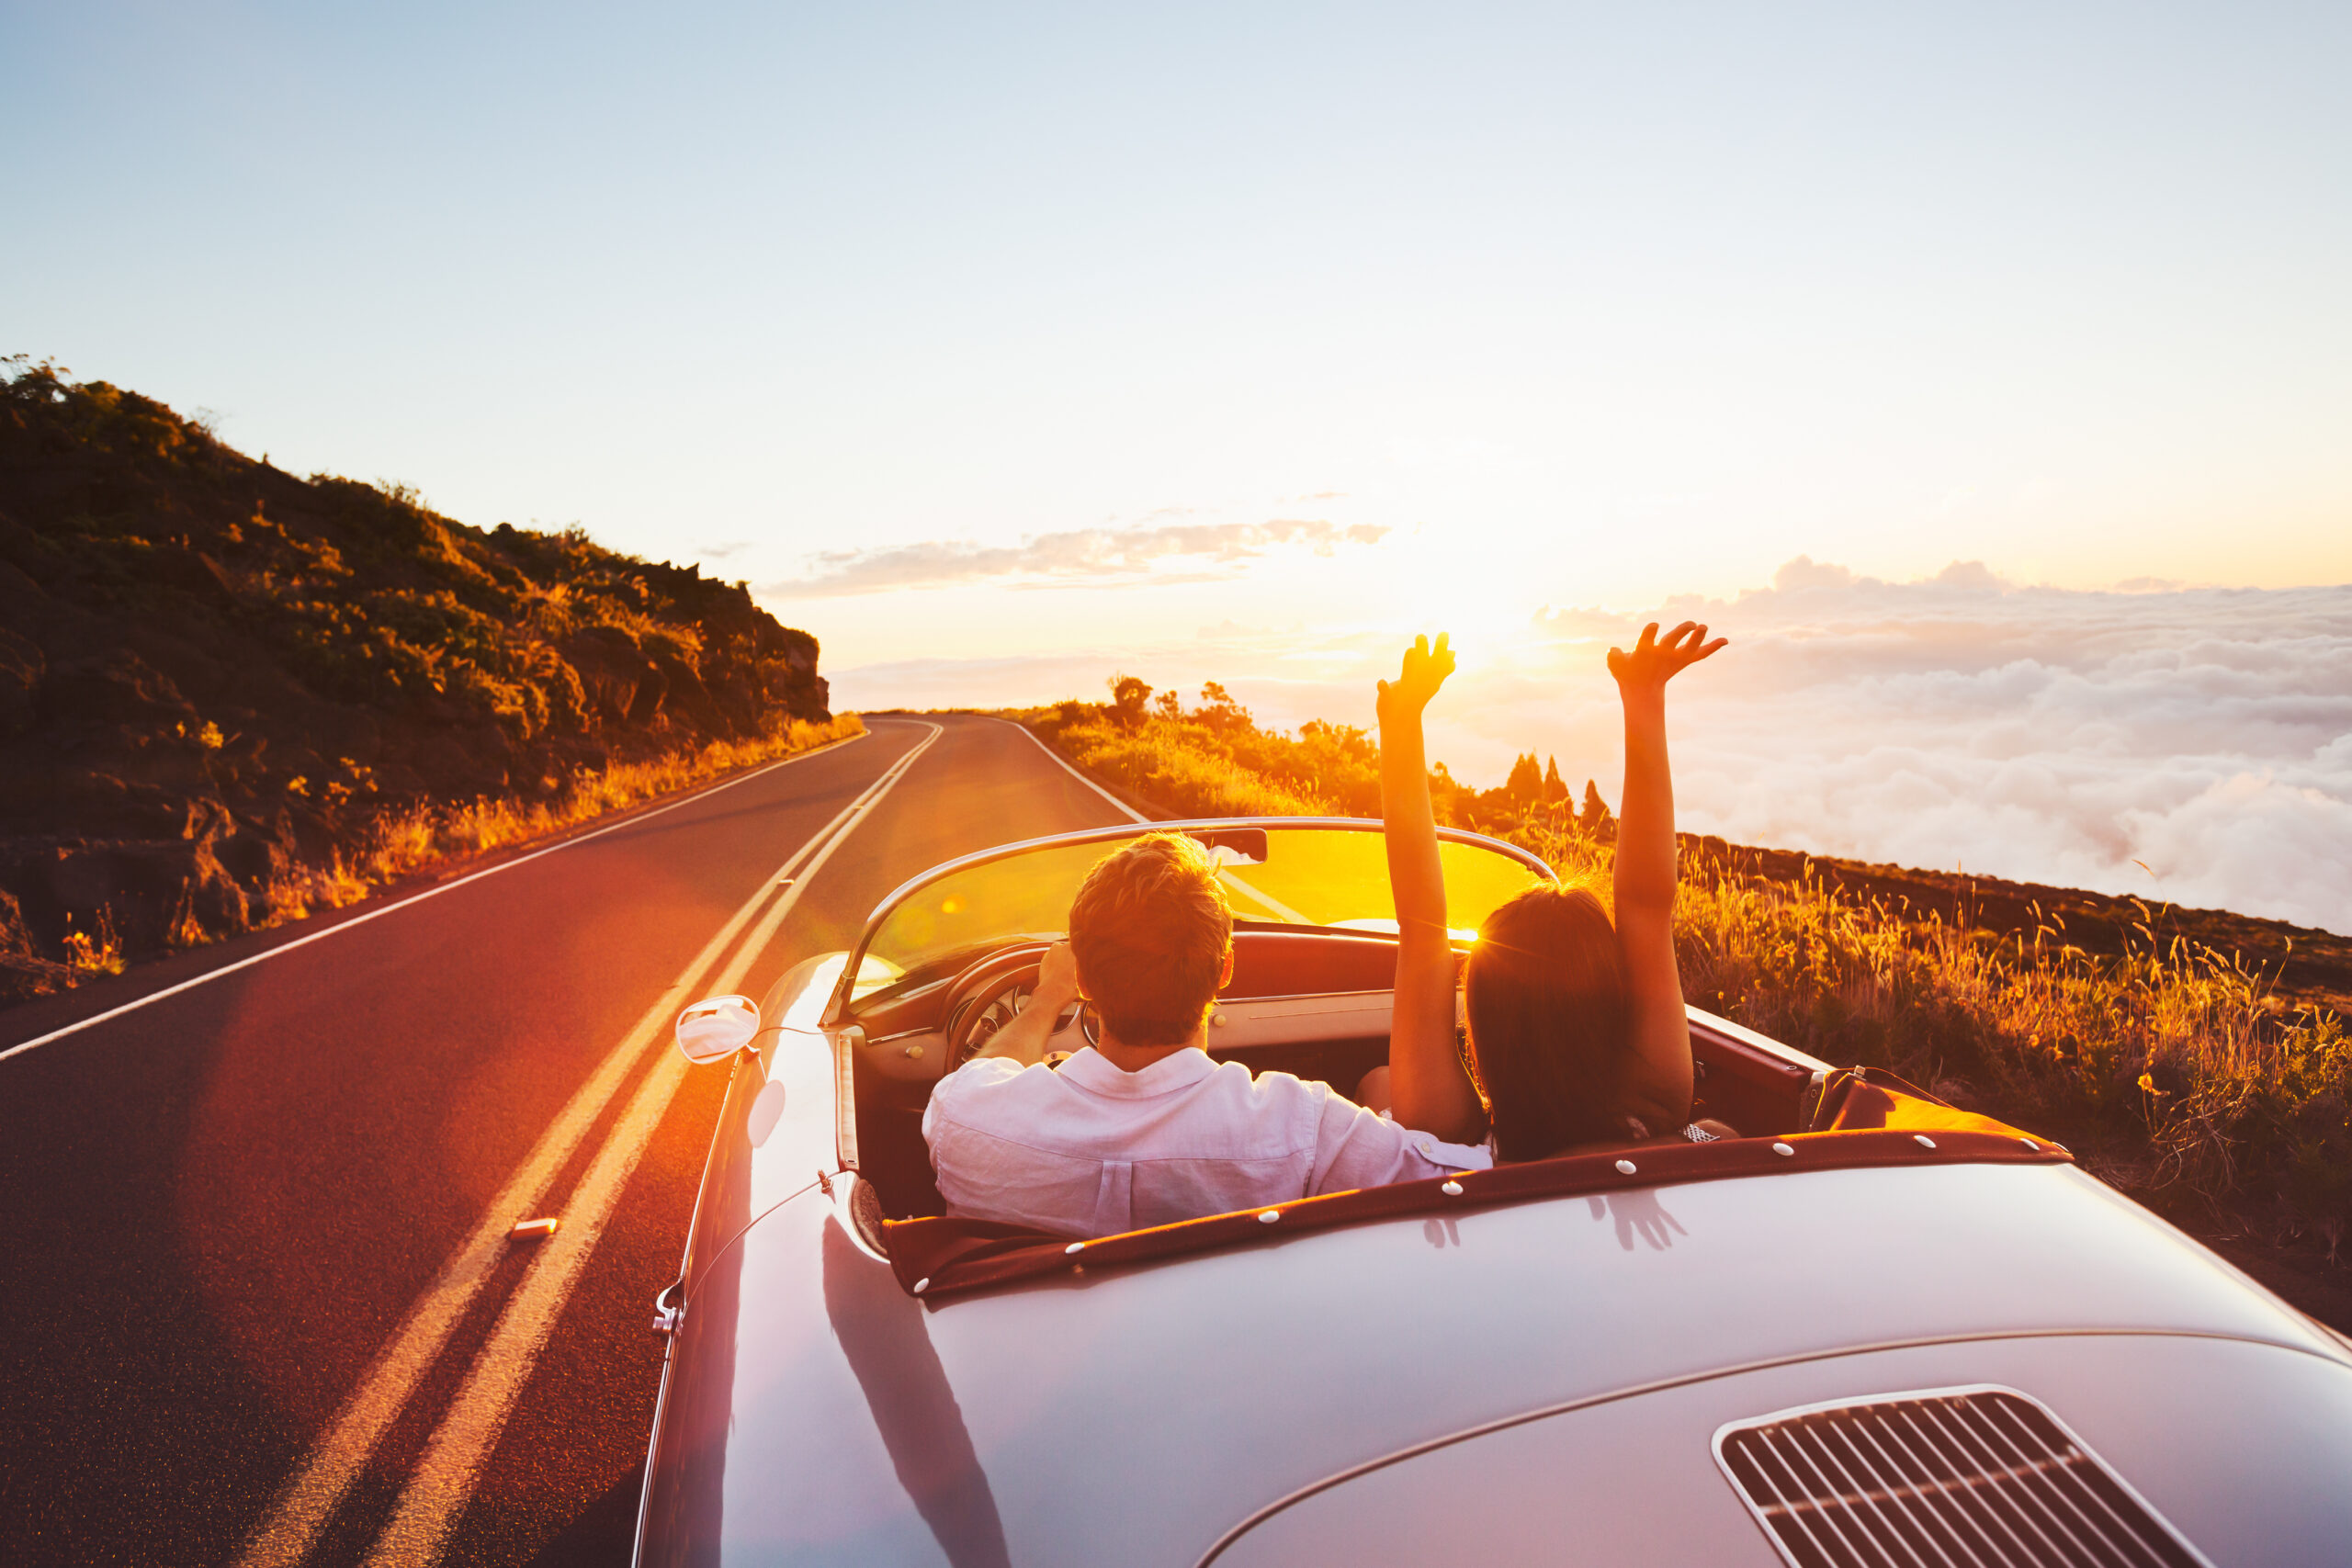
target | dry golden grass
[
  {"x": 429, "y": 836},
  {"x": 2175, "y": 1062},
  {"x": 94, "y": 952},
  {"x": 1157, "y": 761}
]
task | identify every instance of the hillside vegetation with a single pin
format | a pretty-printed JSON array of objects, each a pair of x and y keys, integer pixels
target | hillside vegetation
[
  {"x": 229, "y": 695},
  {"x": 2198, "y": 1058}
]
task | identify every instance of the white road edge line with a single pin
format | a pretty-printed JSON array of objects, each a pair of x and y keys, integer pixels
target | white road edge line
[
  {"x": 1266, "y": 901},
  {"x": 211, "y": 975},
  {"x": 446, "y": 1475},
  {"x": 1132, "y": 814},
  {"x": 309, "y": 1498}
]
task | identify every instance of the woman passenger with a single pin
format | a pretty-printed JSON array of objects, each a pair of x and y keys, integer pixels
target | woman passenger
[{"x": 1577, "y": 1032}]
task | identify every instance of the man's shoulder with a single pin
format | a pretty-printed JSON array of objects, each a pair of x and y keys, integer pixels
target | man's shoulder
[
  {"x": 984, "y": 1069},
  {"x": 985, "y": 1077},
  {"x": 984, "y": 1073},
  {"x": 1270, "y": 1094}
]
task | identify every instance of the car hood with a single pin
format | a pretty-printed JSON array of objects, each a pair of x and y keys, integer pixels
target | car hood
[
  {"x": 1148, "y": 1414},
  {"x": 1637, "y": 1479}
]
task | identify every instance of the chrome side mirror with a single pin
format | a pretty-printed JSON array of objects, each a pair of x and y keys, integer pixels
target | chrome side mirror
[{"x": 717, "y": 1027}]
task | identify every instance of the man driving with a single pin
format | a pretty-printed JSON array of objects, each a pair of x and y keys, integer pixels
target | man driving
[{"x": 1145, "y": 1129}]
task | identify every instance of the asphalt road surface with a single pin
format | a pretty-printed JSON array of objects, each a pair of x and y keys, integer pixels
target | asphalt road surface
[{"x": 225, "y": 1212}]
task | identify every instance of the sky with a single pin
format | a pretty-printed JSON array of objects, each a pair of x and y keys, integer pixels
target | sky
[{"x": 1004, "y": 346}]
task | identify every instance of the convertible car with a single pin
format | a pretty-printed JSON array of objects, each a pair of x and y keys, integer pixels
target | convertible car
[{"x": 1873, "y": 1329}]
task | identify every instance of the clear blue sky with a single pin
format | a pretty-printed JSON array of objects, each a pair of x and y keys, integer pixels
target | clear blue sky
[{"x": 1497, "y": 305}]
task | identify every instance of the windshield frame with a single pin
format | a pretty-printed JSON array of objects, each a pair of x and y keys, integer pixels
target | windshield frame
[{"x": 837, "y": 1009}]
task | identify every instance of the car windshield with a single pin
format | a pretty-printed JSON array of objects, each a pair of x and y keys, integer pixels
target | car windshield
[{"x": 1275, "y": 875}]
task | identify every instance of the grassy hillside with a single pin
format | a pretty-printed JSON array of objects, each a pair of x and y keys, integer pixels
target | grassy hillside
[
  {"x": 2198, "y": 1058},
  {"x": 229, "y": 694}
]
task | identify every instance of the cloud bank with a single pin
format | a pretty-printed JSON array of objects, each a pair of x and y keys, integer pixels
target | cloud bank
[
  {"x": 1092, "y": 556},
  {"x": 2191, "y": 745},
  {"x": 2194, "y": 745}
]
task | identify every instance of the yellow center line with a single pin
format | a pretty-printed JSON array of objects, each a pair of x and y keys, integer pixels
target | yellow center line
[
  {"x": 446, "y": 1477},
  {"x": 302, "y": 1509}
]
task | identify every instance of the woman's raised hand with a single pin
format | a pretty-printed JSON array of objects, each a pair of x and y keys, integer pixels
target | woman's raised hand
[
  {"x": 1431, "y": 1093},
  {"x": 1656, "y": 661},
  {"x": 1425, "y": 670}
]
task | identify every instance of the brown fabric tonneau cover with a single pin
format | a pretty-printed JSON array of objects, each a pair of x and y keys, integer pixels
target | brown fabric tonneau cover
[{"x": 1868, "y": 1118}]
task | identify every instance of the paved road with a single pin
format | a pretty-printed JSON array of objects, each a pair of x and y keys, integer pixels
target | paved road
[{"x": 217, "y": 1210}]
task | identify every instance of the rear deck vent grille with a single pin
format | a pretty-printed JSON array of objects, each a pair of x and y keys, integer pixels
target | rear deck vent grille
[{"x": 1945, "y": 1478}]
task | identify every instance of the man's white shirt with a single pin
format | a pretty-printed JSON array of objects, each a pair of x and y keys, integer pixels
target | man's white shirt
[{"x": 1090, "y": 1150}]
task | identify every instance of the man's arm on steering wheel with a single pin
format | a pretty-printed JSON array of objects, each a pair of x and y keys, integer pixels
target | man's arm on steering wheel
[{"x": 1024, "y": 1039}]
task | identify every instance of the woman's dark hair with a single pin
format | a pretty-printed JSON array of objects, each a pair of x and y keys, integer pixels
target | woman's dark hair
[{"x": 1545, "y": 994}]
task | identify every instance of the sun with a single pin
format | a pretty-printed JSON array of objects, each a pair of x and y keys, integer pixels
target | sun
[{"x": 1436, "y": 585}]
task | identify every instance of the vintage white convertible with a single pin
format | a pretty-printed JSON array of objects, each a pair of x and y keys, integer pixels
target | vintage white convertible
[{"x": 1873, "y": 1330}]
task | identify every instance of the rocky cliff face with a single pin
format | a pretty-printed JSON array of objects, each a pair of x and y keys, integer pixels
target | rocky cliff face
[{"x": 211, "y": 671}]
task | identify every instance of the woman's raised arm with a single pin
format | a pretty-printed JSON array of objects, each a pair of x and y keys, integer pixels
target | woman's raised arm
[
  {"x": 1427, "y": 1090},
  {"x": 1658, "y": 1084}
]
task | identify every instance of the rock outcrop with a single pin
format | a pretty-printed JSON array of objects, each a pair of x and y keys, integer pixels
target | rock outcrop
[{"x": 212, "y": 672}]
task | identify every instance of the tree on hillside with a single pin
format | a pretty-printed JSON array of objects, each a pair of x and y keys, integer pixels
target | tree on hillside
[
  {"x": 1171, "y": 703},
  {"x": 1128, "y": 695},
  {"x": 1525, "y": 786},
  {"x": 1348, "y": 735},
  {"x": 1595, "y": 819},
  {"x": 1554, "y": 789},
  {"x": 1337, "y": 763},
  {"x": 1221, "y": 712}
]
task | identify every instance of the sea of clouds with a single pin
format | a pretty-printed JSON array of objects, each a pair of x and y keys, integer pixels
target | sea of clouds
[{"x": 2189, "y": 745}]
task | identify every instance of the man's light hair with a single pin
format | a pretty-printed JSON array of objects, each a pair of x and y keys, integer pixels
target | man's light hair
[{"x": 1150, "y": 929}]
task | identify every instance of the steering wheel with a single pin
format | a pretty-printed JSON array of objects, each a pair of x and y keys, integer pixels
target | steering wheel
[{"x": 991, "y": 993}]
